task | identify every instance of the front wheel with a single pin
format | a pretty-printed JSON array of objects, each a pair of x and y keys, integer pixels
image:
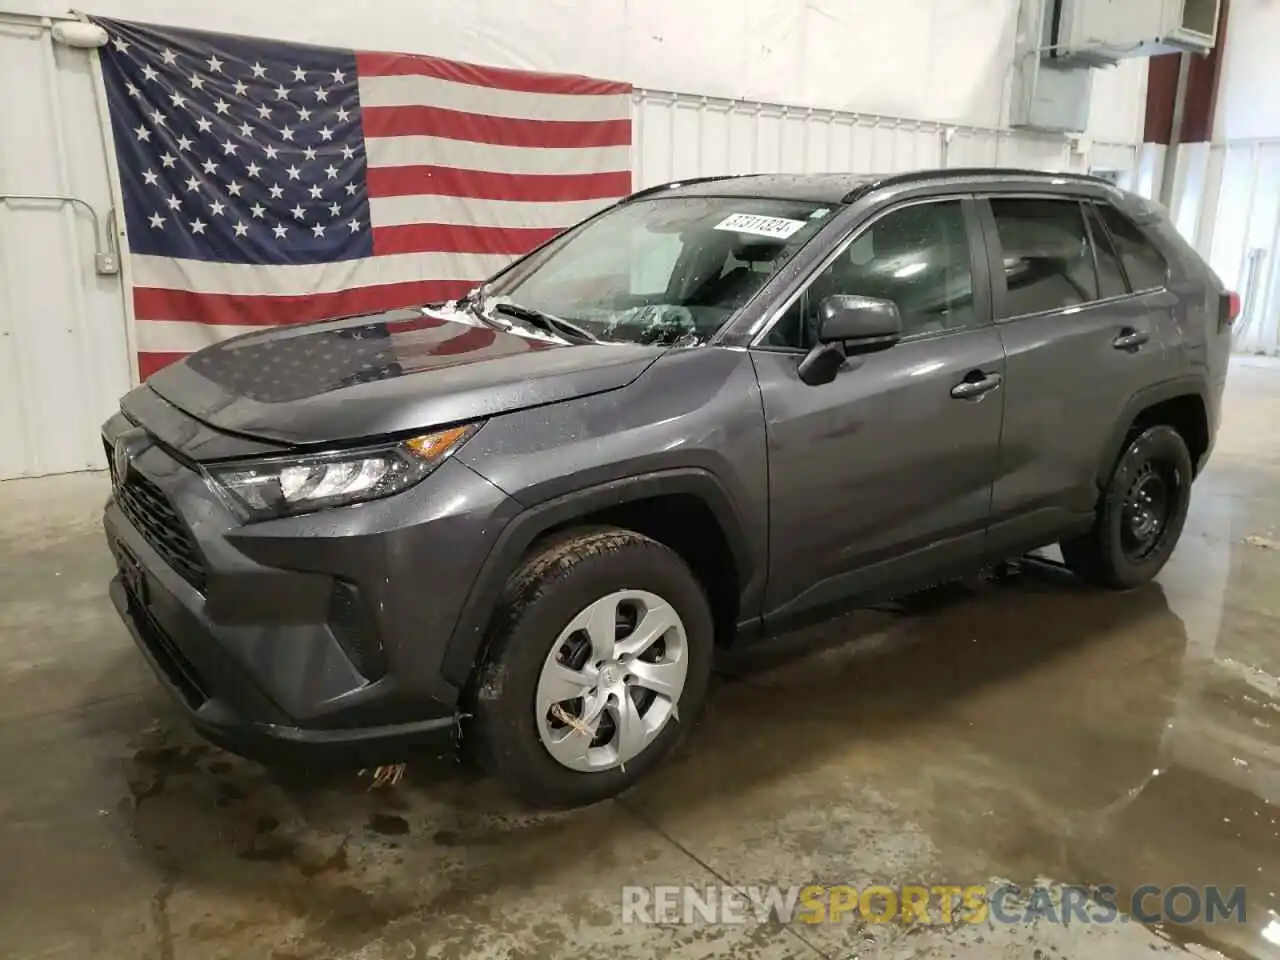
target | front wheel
[
  {"x": 1140, "y": 515},
  {"x": 598, "y": 661}
]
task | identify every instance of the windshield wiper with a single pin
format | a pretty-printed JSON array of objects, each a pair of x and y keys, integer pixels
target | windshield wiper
[
  {"x": 479, "y": 303},
  {"x": 546, "y": 321},
  {"x": 476, "y": 301}
]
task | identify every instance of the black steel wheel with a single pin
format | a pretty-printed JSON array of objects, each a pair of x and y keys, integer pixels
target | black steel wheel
[{"x": 1140, "y": 513}]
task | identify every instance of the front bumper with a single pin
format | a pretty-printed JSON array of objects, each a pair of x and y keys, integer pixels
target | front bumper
[
  {"x": 264, "y": 741},
  {"x": 318, "y": 637}
]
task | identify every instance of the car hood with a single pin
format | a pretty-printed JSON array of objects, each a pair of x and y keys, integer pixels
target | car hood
[{"x": 321, "y": 383}]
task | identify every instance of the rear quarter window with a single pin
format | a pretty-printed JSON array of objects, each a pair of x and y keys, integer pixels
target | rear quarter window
[
  {"x": 1111, "y": 277},
  {"x": 1144, "y": 264}
]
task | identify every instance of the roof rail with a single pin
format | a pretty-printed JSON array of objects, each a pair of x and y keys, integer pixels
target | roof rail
[
  {"x": 915, "y": 176},
  {"x": 679, "y": 183}
]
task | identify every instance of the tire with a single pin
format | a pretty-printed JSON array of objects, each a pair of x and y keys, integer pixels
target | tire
[
  {"x": 1112, "y": 555},
  {"x": 512, "y": 728}
]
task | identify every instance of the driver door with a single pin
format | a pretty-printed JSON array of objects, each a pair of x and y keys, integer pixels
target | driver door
[{"x": 880, "y": 481}]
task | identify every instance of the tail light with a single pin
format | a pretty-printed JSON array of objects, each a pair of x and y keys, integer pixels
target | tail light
[{"x": 1229, "y": 307}]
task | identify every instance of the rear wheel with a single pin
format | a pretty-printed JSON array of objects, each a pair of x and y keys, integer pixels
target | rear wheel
[
  {"x": 1140, "y": 515},
  {"x": 599, "y": 659}
]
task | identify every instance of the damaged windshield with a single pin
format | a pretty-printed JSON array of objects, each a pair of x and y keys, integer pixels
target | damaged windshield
[{"x": 669, "y": 270}]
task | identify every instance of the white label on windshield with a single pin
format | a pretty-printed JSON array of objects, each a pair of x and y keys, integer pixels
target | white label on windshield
[{"x": 777, "y": 227}]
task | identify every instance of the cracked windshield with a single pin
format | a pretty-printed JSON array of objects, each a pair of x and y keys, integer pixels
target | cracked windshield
[{"x": 669, "y": 271}]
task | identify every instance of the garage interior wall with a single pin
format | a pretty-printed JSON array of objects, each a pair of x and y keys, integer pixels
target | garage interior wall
[
  {"x": 722, "y": 86},
  {"x": 1226, "y": 198},
  {"x": 64, "y": 357}
]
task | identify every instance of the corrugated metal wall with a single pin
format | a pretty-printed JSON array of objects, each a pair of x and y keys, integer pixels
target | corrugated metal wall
[
  {"x": 680, "y": 135},
  {"x": 1241, "y": 188},
  {"x": 1226, "y": 203},
  {"x": 63, "y": 354}
]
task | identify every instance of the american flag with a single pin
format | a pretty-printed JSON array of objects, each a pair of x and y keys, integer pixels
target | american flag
[{"x": 268, "y": 182}]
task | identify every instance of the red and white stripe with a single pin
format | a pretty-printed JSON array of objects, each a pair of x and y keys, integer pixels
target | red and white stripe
[{"x": 468, "y": 167}]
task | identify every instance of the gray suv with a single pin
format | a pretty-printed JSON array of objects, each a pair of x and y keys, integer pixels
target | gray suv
[{"x": 710, "y": 413}]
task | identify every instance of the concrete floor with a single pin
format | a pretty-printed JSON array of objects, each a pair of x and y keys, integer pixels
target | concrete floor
[{"x": 1030, "y": 730}]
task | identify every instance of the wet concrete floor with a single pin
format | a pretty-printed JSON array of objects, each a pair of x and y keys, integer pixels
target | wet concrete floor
[{"x": 1028, "y": 730}]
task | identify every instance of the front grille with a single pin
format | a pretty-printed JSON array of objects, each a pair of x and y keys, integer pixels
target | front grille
[{"x": 148, "y": 509}]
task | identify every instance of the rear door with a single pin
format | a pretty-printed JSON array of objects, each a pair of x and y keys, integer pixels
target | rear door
[{"x": 1080, "y": 338}]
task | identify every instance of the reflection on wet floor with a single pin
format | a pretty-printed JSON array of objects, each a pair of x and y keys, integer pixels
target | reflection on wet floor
[{"x": 1024, "y": 729}]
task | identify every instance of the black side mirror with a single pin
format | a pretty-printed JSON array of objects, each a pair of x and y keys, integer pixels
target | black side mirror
[
  {"x": 849, "y": 326},
  {"x": 862, "y": 324}
]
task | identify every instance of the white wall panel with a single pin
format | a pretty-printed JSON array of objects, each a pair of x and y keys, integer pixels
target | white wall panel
[
  {"x": 1119, "y": 102},
  {"x": 682, "y": 135},
  {"x": 63, "y": 355},
  {"x": 933, "y": 59},
  {"x": 1211, "y": 200},
  {"x": 1257, "y": 274},
  {"x": 1247, "y": 105},
  {"x": 1122, "y": 158},
  {"x": 1227, "y": 203},
  {"x": 1229, "y": 239},
  {"x": 1036, "y": 153}
]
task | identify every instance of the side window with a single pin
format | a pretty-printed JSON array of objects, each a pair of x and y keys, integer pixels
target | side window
[
  {"x": 1048, "y": 264},
  {"x": 918, "y": 257},
  {"x": 1143, "y": 263},
  {"x": 1111, "y": 282}
]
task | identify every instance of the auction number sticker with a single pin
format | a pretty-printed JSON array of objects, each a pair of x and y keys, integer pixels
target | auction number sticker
[{"x": 777, "y": 227}]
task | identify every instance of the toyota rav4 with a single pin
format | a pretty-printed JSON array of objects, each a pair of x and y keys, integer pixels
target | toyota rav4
[{"x": 705, "y": 415}]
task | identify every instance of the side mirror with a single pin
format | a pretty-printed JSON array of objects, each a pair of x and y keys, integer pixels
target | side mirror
[
  {"x": 849, "y": 326},
  {"x": 862, "y": 324}
]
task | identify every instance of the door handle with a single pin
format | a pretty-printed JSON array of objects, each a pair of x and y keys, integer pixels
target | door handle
[
  {"x": 1130, "y": 339},
  {"x": 975, "y": 385}
]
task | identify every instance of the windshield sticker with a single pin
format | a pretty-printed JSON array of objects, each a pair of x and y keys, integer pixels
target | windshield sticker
[
  {"x": 780, "y": 228},
  {"x": 819, "y": 213}
]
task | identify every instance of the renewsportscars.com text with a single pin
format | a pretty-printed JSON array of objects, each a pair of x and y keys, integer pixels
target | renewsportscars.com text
[{"x": 931, "y": 904}]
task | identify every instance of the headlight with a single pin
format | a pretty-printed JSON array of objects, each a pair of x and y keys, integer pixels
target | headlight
[{"x": 287, "y": 485}]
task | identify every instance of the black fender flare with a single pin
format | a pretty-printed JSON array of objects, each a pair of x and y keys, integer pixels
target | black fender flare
[
  {"x": 522, "y": 530},
  {"x": 1190, "y": 385}
]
